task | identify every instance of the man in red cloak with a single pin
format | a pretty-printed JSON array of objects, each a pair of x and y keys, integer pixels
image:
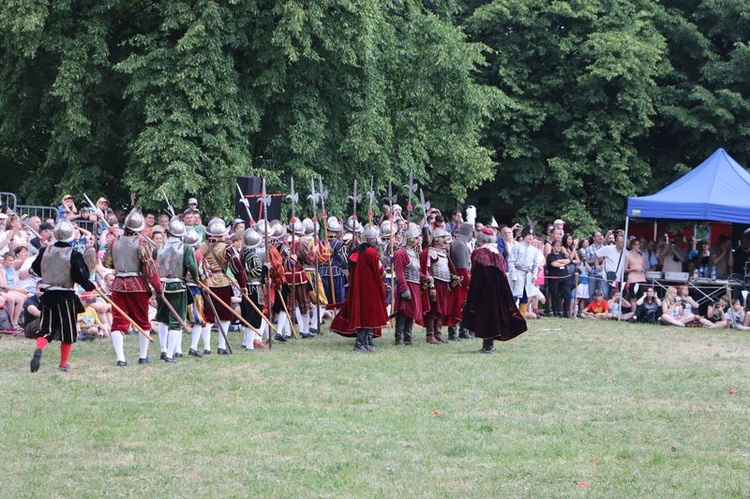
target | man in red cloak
[
  {"x": 490, "y": 309},
  {"x": 364, "y": 311}
]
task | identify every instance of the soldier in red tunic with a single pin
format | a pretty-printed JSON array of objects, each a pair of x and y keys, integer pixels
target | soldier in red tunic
[{"x": 408, "y": 298}]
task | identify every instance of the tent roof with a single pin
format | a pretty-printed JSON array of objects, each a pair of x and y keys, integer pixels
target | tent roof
[{"x": 718, "y": 189}]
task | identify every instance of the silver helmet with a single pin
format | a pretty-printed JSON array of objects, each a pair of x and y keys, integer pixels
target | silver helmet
[
  {"x": 370, "y": 232},
  {"x": 263, "y": 227},
  {"x": 353, "y": 225},
  {"x": 387, "y": 229},
  {"x": 251, "y": 237},
  {"x": 192, "y": 238},
  {"x": 309, "y": 227},
  {"x": 440, "y": 232},
  {"x": 64, "y": 231},
  {"x": 297, "y": 227},
  {"x": 333, "y": 224},
  {"x": 277, "y": 230},
  {"x": 135, "y": 222},
  {"x": 216, "y": 228},
  {"x": 412, "y": 231},
  {"x": 176, "y": 227}
]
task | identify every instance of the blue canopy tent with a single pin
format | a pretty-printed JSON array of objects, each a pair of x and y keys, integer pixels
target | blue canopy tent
[{"x": 717, "y": 190}]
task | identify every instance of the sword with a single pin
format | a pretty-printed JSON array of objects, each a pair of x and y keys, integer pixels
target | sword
[
  {"x": 169, "y": 205},
  {"x": 97, "y": 211}
]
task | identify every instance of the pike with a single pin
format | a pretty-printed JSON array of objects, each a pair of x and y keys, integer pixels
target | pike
[
  {"x": 265, "y": 202},
  {"x": 314, "y": 197},
  {"x": 323, "y": 196},
  {"x": 294, "y": 198},
  {"x": 245, "y": 203},
  {"x": 355, "y": 198},
  {"x": 371, "y": 196},
  {"x": 391, "y": 198},
  {"x": 243, "y": 292},
  {"x": 412, "y": 189},
  {"x": 425, "y": 205}
]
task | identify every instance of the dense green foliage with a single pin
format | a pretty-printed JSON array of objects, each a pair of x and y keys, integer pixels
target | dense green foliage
[{"x": 551, "y": 108}]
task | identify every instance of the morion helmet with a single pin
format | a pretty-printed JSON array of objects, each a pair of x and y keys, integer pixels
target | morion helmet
[
  {"x": 251, "y": 238},
  {"x": 64, "y": 231},
  {"x": 216, "y": 228},
  {"x": 176, "y": 227},
  {"x": 135, "y": 222}
]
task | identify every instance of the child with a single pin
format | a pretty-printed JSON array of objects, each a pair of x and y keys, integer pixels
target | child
[
  {"x": 598, "y": 308},
  {"x": 736, "y": 316},
  {"x": 89, "y": 326},
  {"x": 617, "y": 305}
]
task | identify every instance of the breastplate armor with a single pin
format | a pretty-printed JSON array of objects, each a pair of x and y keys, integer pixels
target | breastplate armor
[
  {"x": 125, "y": 254},
  {"x": 412, "y": 270},
  {"x": 439, "y": 268},
  {"x": 56, "y": 267},
  {"x": 171, "y": 259}
]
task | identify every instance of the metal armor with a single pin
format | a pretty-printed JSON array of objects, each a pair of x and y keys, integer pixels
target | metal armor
[
  {"x": 56, "y": 267},
  {"x": 125, "y": 254},
  {"x": 411, "y": 272},
  {"x": 439, "y": 268},
  {"x": 171, "y": 258}
]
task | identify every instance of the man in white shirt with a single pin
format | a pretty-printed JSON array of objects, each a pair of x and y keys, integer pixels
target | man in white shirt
[{"x": 614, "y": 262}]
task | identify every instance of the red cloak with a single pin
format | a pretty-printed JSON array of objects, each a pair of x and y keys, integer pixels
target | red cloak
[{"x": 365, "y": 305}]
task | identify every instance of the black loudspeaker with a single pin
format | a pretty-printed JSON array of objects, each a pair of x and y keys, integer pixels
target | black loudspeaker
[{"x": 252, "y": 186}]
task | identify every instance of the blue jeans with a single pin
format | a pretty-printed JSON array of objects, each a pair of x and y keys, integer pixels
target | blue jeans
[{"x": 599, "y": 282}]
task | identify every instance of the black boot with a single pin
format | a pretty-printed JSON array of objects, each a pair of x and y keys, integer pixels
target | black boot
[
  {"x": 408, "y": 325},
  {"x": 487, "y": 346},
  {"x": 360, "y": 343},
  {"x": 400, "y": 319},
  {"x": 452, "y": 333},
  {"x": 370, "y": 337}
]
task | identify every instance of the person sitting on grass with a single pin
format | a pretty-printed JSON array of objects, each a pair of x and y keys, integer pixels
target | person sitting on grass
[
  {"x": 717, "y": 314},
  {"x": 618, "y": 307},
  {"x": 671, "y": 309},
  {"x": 89, "y": 326},
  {"x": 598, "y": 308},
  {"x": 688, "y": 306},
  {"x": 736, "y": 316},
  {"x": 648, "y": 307}
]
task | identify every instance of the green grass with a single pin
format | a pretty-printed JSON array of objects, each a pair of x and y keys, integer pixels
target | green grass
[{"x": 571, "y": 408}]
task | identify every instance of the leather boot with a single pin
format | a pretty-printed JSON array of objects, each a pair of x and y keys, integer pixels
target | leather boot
[
  {"x": 400, "y": 319},
  {"x": 437, "y": 328},
  {"x": 408, "y": 325},
  {"x": 430, "y": 329},
  {"x": 360, "y": 343}
]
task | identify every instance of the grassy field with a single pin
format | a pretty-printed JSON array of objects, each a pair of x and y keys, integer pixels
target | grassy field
[{"x": 571, "y": 408}]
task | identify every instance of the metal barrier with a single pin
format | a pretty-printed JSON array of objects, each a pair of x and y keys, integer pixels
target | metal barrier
[
  {"x": 43, "y": 212},
  {"x": 9, "y": 199}
]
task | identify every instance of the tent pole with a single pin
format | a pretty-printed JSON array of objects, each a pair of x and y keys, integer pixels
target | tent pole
[
  {"x": 655, "y": 234},
  {"x": 624, "y": 255}
]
